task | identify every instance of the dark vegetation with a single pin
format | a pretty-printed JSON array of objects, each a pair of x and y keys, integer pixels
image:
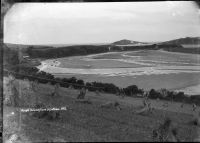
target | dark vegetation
[
  {"x": 10, "y": 56},
  {"x": 173, "y": 96},
  {"x": 186, "y": 40},
  {"x": 77, "y": 50},
  {"x": 51, "y": 52},
  {"x": 169, "y": 45},
  {"x": 184, "y": 50},
  {"x": 131, "y": 48},
  {"x": 58, "y": 52}
]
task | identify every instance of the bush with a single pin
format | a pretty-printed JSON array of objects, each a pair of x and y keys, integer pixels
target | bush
[
  {"x": 88, "y": 85},
  {"x": 154, "y": 94},
  {"x": 133, "y": 89},
  {"x": 179, "y": 96},
  {"x": 64, "y": 83},
  {"x": 110, "y": 88},
  {"x": 195, "y": 99},
  {"x": 81, "y": 83}
]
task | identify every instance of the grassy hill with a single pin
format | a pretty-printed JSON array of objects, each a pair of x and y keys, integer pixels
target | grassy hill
[
  {"x": 127, "y": 42},
  {"x": 89, "y": 122},
  {"x": 185, "y": 41}
]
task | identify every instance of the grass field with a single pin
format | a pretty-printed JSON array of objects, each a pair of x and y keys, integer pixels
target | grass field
[{"x": 89, "y": 122}]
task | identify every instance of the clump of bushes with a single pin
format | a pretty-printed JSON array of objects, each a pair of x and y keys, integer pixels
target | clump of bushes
[
  {"x": 133, "y": 90},
  {"x": 165, "y": 94}
]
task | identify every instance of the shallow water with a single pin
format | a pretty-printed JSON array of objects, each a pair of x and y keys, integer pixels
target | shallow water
[{"x": 130, "y": 64}]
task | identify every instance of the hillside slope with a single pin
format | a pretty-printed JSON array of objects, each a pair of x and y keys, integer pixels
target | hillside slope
[
  {"x": 127, "y": 42},
  {"x": 89, "y": 122},
  {"x": 184, "y": 41}
]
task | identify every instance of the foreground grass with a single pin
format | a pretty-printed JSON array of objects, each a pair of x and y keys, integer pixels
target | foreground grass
[{"x": 89, "y": 122}]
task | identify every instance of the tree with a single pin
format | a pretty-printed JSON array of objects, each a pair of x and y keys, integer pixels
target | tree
[
  {"x": 154, "y": 94},
  {"x": 80, "y": 82}
]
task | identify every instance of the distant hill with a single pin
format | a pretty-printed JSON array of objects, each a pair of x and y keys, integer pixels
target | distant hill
[
  {"x": 183, "y": 45},
  {"x": 180, "y": 41},
  {"x": 123, "y": 42},
  {"x": 128, "y": 42},
  {"x": 184, "y": 41}
]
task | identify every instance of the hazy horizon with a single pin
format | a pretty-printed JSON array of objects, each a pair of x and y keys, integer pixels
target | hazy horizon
[
  {"x": 70, "y": 44},
  {"x": 94, "y": 23}
]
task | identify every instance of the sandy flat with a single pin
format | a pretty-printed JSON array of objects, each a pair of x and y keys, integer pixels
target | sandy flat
[
  {"x": 191, "y": 90},
  {"x": 146, "y": 69}
]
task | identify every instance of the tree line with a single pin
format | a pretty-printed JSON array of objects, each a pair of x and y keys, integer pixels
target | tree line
[
  {"x": 48, "y": 52},
  {"x": 58, "y": 52}
]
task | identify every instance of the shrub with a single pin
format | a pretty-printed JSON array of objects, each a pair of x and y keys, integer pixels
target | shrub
[
  {"x": 154, "y": 94},
  {"x": 179, "y": 96},
  {"x": 80, "y": 82},
  {"x": 133, "y": 89},
  {"x": 195, "y": 99},
  {"x": 89, "y": 86}
]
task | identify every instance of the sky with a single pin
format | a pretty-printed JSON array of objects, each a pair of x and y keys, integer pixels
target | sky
[{"x": 82, "y": 23}]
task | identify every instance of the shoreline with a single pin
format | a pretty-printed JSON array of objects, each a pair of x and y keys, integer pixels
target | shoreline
[
  {"x": 191, "y": 90},
  {"x": 178, "y": 53}
]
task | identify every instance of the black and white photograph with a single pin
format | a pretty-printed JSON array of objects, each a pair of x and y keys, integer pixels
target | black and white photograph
[{"x": 100, "y": 71}]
